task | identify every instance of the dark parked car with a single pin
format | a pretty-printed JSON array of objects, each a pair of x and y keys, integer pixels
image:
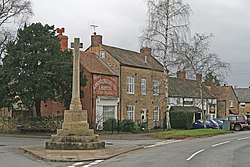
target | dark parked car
[
  {"x": 238, "y": 122},
  {"x": 209, "y": 124}
]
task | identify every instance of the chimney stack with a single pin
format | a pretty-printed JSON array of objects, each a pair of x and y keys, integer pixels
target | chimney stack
[
  {"x": 63, "y": 38},
  {"x": 181, "y": 74},
  {"x": 145, "y": 50},
  {"x": 96, "y": 40},
  {"x": 199, "y": 77}
]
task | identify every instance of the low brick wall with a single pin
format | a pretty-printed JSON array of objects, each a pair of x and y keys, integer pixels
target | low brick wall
[{"x": 9, "y": 125}]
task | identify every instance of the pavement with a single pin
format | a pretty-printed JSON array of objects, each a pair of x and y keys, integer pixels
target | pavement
[{"x": 116, "y": 144}]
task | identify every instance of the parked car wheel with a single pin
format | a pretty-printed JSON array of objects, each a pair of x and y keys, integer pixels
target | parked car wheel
[{"x": 237, "y": 127}]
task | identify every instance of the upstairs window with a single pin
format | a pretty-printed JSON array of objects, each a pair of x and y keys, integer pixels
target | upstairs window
[
  {"x": 231, "y": 104},
  {"x": 242, "y": 105},
  {"x": 131, "y": 85},
  {"x": 188, "y": 102},
  {"x": 143, "y": 86},
  {"x": 102, "y": 54},
  {"x": 155, "y": 87}
]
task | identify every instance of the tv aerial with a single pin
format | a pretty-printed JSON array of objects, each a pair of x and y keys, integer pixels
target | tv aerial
[{"x": 94, "y": 26}]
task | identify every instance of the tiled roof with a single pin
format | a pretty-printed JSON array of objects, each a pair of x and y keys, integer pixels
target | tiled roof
[
  {"x": 132, "y": 58},
  {"x": 220, "y": 92},
  {"x": 243, "y": 94},
  {"x": 187, "y": 88},
  {"x": 185, "y": 109},
  {"x": 94, "y": 64}
]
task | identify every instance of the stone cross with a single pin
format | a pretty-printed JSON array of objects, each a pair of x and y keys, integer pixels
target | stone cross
[{"x": 75, "y": 101}]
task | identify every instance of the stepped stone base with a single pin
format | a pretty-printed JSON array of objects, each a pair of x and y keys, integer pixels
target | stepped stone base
[{"x": 75, "y": 134}]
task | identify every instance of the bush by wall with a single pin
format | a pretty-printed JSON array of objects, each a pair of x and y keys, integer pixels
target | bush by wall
[
  {"x": 109, "y": 124},
  {"x": 129, "y": 126},
  {"x": 181, "y": 120}
]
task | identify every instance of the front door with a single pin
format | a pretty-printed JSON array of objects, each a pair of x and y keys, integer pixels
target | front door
[{"x": 144, "y": 115}]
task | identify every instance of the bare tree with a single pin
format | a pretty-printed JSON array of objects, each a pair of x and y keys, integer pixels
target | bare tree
[
  {"x": 168, "y": 20},
  {"x": 196, "y": 57},
  {"x": 13, "y": 13}
]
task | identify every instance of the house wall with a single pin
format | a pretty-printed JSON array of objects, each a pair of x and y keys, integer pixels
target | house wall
[
  {"x": 98, "y": 87},
  {"x": 244, "y": 110},
  {"x": 140, "y": 101},
  {"x": 232, "y": 97},
  {"x": 105, "y": 93},
  {"x": 222, "y": 108}
]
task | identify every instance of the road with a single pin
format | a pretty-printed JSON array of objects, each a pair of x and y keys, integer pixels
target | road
[
  {"x": 231, "y": 150},
  {"x": 10, "y": 156}
]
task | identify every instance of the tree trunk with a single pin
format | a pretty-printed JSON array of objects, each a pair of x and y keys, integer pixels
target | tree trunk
[
  {"x": 37, "y": 107},
  {"x": 168, "y": 125},
  {"x": 202, "y": 105}
]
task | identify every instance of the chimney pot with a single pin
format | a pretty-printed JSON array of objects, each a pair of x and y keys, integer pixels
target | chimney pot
[
  {"x": 181, "y": 74},
  {"x": 199, "y": 77},
  {"x": 146, "y": 50}
]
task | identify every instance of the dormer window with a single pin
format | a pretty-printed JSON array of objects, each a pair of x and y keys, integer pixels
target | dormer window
[
  {"x": 102, "y": 55},
  {"x": 145, "y": 60}
]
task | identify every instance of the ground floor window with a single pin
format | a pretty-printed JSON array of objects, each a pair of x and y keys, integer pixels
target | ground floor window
[
  {"x": 106, "y": 108},
  {"x": 108, "y": 112},
  {"x": 156, "y": 113},
  {"x": 131, "y": 112}
]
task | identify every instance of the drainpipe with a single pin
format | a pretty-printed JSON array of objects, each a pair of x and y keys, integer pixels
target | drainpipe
[{"x": 120, "y": 101}]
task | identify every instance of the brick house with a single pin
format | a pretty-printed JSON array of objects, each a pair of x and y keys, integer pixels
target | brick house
[
  {"x": 243, "y": 95},
  {"x": 186, "y": 93},
  {"x": 141, "y": 90},
  {"x": 101, "y": 92},
  {"x": 226, "y": 99}
]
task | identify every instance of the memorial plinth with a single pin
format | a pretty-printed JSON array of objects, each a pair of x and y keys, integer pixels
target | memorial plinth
[{"x": 75, "y": 133}]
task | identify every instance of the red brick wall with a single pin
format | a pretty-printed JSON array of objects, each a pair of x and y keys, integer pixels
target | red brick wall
[
  {"x": 97, "y": 85},
  {"x": 52, "y": 108},
  {"x": 105, "y": 85},
  {"x": 87, "y": 99}
]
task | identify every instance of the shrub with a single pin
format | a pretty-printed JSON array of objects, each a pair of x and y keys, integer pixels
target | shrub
[
  {"x": 107, "y": 125},
  {"x": 129, "y": 126}
]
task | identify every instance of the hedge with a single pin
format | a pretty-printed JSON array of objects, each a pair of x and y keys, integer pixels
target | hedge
[{"x": 181, "y": 120}]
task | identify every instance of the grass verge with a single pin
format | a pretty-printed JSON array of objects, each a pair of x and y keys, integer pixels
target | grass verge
[{"x": 182, "y": 134}]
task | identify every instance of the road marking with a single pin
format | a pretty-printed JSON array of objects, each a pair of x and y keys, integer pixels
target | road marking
[
  {"x": 162, "y": 143},
  {"x": 218, "y": 144},
  {"x": 244, "y": 138},
  {"x": 81, "y": 163},
  {"x": 78, "y": 163},
  {"x": 93, "y": 163},
  {"x": 195, "y": 154}
]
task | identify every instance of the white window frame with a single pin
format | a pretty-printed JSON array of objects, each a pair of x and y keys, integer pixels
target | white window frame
[
  {"x": 156, "y": 113},
  {"x": 102, "y": 54},
  {"x": 243, "y": 105},
  {"x": 155, "y": 87},
  {"x": 131, "y": 112},
  {"x": 231, "y": 104},
  {"x": 130, "y": 85},
  {"x": 110, "y": 114},
  {"x": 143, "y": 86}
]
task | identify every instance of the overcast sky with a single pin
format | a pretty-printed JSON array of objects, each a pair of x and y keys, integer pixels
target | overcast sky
[{"x": 121, "y": 21}]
